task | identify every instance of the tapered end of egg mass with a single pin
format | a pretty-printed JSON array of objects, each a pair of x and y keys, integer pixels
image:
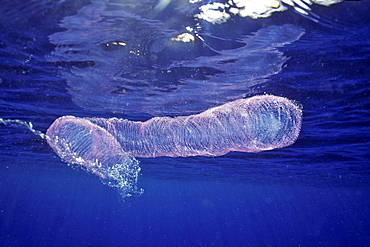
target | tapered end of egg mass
[
  {"x": 78, "y": 141},
  {"x": 275, "y": 122}
]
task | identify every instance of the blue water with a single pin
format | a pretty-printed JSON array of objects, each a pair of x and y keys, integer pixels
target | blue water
[{"x": 54, "y": 61}]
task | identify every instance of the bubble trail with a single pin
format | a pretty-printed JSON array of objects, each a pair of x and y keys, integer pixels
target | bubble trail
[{"x": 247, "y": 125}]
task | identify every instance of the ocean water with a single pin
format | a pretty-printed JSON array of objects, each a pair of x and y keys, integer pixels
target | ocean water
[{"x": 127, "y": 59}]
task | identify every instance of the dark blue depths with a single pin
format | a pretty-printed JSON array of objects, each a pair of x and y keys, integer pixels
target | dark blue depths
[
  {"x": 76, "y": 210},
  {"x": 313, "y": 193}
]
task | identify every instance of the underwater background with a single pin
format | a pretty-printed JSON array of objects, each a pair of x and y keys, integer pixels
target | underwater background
[{"x": 142, "y": 59}]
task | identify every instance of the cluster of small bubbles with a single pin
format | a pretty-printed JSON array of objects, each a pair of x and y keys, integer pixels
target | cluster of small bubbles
[{"x": 124, "y": 177}]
